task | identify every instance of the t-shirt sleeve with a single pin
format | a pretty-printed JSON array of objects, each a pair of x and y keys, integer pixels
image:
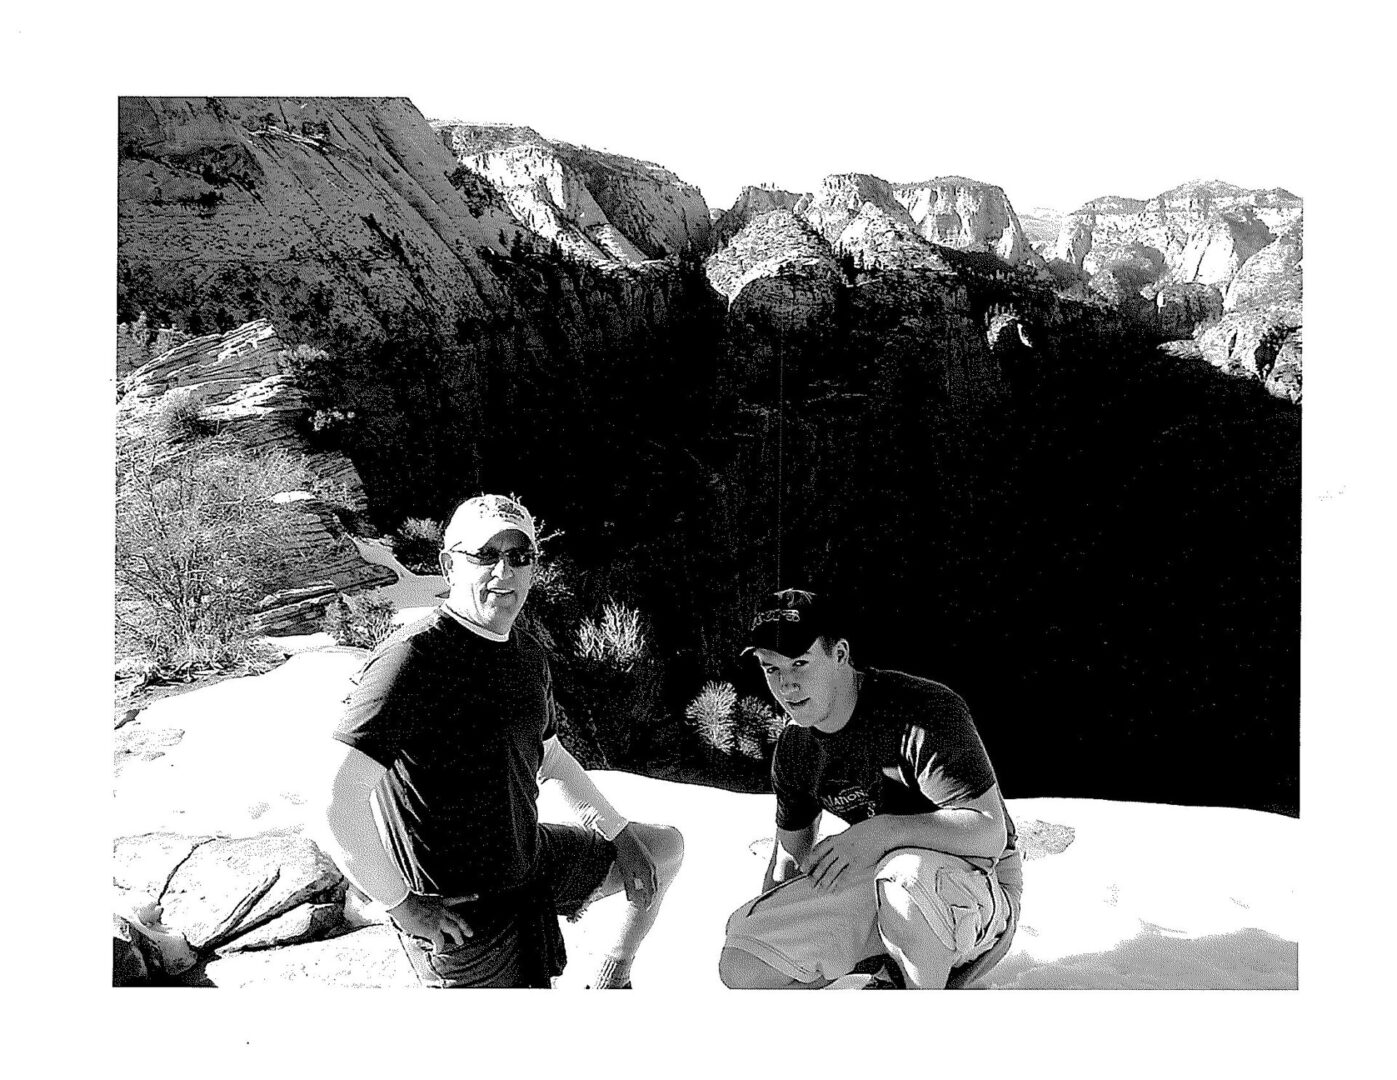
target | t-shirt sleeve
[
  {"x": 945, "y": 756},
  {"x": 796, "y": 804},
  {"x": 378, "y": 709}
]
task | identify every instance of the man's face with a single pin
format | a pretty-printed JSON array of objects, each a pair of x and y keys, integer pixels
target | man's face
[
  {"x": 805, "y": 686},
  {"x": 490, "y": 595}
]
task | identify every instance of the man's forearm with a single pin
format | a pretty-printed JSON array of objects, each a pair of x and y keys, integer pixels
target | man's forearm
[
  {"x": 582, "y": 797},
  {"x": 788, "y": 852},
  {"x": 959, "y": 830}
]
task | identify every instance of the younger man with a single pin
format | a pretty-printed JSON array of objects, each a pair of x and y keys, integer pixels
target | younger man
[{"x": 927, "y": 872}]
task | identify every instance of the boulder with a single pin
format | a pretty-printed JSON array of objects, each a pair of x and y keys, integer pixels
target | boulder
[
  {"x": 228, "y": 887},
  {"x": 370, "y": 957},
  {"x": 305, "y": 922},
  {"x": 143, "y": 865}
]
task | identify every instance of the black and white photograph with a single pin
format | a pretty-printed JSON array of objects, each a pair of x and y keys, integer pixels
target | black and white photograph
[{"x": 708, "y": 500}]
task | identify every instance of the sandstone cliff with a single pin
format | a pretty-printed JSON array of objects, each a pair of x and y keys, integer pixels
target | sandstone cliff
[
  {"x": 325, "y": 211},
  {"x": 1218, "y": 261},
  {"x": 594, "y": 205},
  {"x": 241, "y": 385},
  {"x": 968, "y": 215},
  {"x": 1203, "y": 231}
]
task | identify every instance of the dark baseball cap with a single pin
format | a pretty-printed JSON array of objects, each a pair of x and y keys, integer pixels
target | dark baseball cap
[{"x": 791, "y": 621}]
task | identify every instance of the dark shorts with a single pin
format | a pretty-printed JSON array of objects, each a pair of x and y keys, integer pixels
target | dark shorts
[{"x": 572, "y": 864}]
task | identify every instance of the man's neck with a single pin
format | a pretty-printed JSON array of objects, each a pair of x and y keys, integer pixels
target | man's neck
[
  {"x": 846, "y": 696},
  {"x": 474, "y": 627}
]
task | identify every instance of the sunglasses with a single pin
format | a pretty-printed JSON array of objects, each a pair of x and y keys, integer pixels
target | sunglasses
[{"x": 516, "y": 557}]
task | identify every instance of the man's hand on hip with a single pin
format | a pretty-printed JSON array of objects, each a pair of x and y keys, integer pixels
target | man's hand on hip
[
  {"x": 638, "y": 874},
  {"x": 427, "y": 917}
]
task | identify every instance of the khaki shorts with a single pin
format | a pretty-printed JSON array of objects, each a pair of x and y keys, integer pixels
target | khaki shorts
[{"x": 811, "y": 935}]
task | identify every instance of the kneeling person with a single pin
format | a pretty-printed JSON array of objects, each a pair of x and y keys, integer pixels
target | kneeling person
[
  {"x": 927, "y": 872},
  {"x": 450, "y": 728}
]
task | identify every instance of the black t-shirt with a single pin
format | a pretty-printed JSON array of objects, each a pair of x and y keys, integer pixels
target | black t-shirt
[
  {"x": 459, "y": 723},
  {"x": 910, "y": 747}
]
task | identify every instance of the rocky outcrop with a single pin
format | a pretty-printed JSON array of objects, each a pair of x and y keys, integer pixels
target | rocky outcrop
[
  {"x": 752, "y": 202},
  {"x": 1272, "y": 275},
  {"x": 241, "y": 384},
  {"x": 306, "y": 211},
  {"x": 860, "y": 217},
  {"x": 1263, "y": 343},
  {"x": 968, "y": 215},
  {"x": 594, "y": 205},
  {"x": 1204, "y": 231},
  {"x": 779, "y": 268},
  {"x": 226, "y": 888},
  {"x": 1229, "y": 270},
  {"x": 1184, "y": 308}
]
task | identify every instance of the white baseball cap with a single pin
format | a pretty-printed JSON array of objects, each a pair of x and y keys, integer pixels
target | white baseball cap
[{"x": 477, "y": 520}]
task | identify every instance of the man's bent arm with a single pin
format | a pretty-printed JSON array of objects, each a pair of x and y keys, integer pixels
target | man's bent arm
[
  {"x": 583, "y": 799},
  {"x": 350, "y": 836},
  {"x": 789, "y": 852},
  {"x": 974, "y": 828}
]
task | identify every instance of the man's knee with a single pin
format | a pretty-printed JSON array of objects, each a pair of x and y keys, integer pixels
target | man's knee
[
  {"x": 666, "y": 846},
  {"x": 928, "y": 900},
  {"x": 912, "y": 914}
]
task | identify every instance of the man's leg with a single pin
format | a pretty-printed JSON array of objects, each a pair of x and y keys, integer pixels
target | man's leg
[
  {"x": 740, "y": 970},
  {"x": 935, "y": 912},
  {"x": 798, "y": 937},
  {"x": 618, "y": 925}
]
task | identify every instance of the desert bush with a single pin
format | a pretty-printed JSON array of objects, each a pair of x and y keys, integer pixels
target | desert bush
[
  {"x": 198, "y": 543},
  {"x": 617, "y": 638},
  {"x": 712, "y": 713},
  {"x": 614, "y": 684},
  {"x": 417, "y": 544},
  {"x": 362, "y": 620},
  {"x": 177, "y": 417},
  {"x": 758, "y": 726}
]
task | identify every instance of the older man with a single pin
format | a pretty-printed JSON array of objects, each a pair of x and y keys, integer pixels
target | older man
[
  {"x": 448, "y": 732},
  {"x": 927, "y": 873}
]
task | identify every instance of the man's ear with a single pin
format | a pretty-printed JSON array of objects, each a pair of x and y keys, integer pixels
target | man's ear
[
  {"x": 841, "y": 651},
  {"x": 444, "y": 561}
]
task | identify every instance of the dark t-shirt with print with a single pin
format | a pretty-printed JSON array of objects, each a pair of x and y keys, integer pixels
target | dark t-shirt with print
[
  {"x": 459, "y": 723},
  {"x": 910, "y": 747}
]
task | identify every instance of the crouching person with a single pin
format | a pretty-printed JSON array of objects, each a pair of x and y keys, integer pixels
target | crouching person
[
  {"x": 449, "y": 729},
  {"x": 927, "y": 878}
]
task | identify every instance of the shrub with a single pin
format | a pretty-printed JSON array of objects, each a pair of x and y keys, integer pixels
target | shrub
[
  {"x": 362, "y": 621},
  {"x": 417, "y": 544},
  {"x": 198, "y": 543},
  {"x": 758, "y": 726},
  {"x": 615, "y": 684},
  {"x": 618, "y": 638},
  {"x": 712, "y": 713},
  {"x": 178, "y": 417}
]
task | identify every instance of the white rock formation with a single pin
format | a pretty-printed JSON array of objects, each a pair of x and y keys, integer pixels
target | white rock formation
[
  {"x": 966, "y": 214},
  {"x": 594, "y": 205},
  {"x": 1205, "y": 232}
]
